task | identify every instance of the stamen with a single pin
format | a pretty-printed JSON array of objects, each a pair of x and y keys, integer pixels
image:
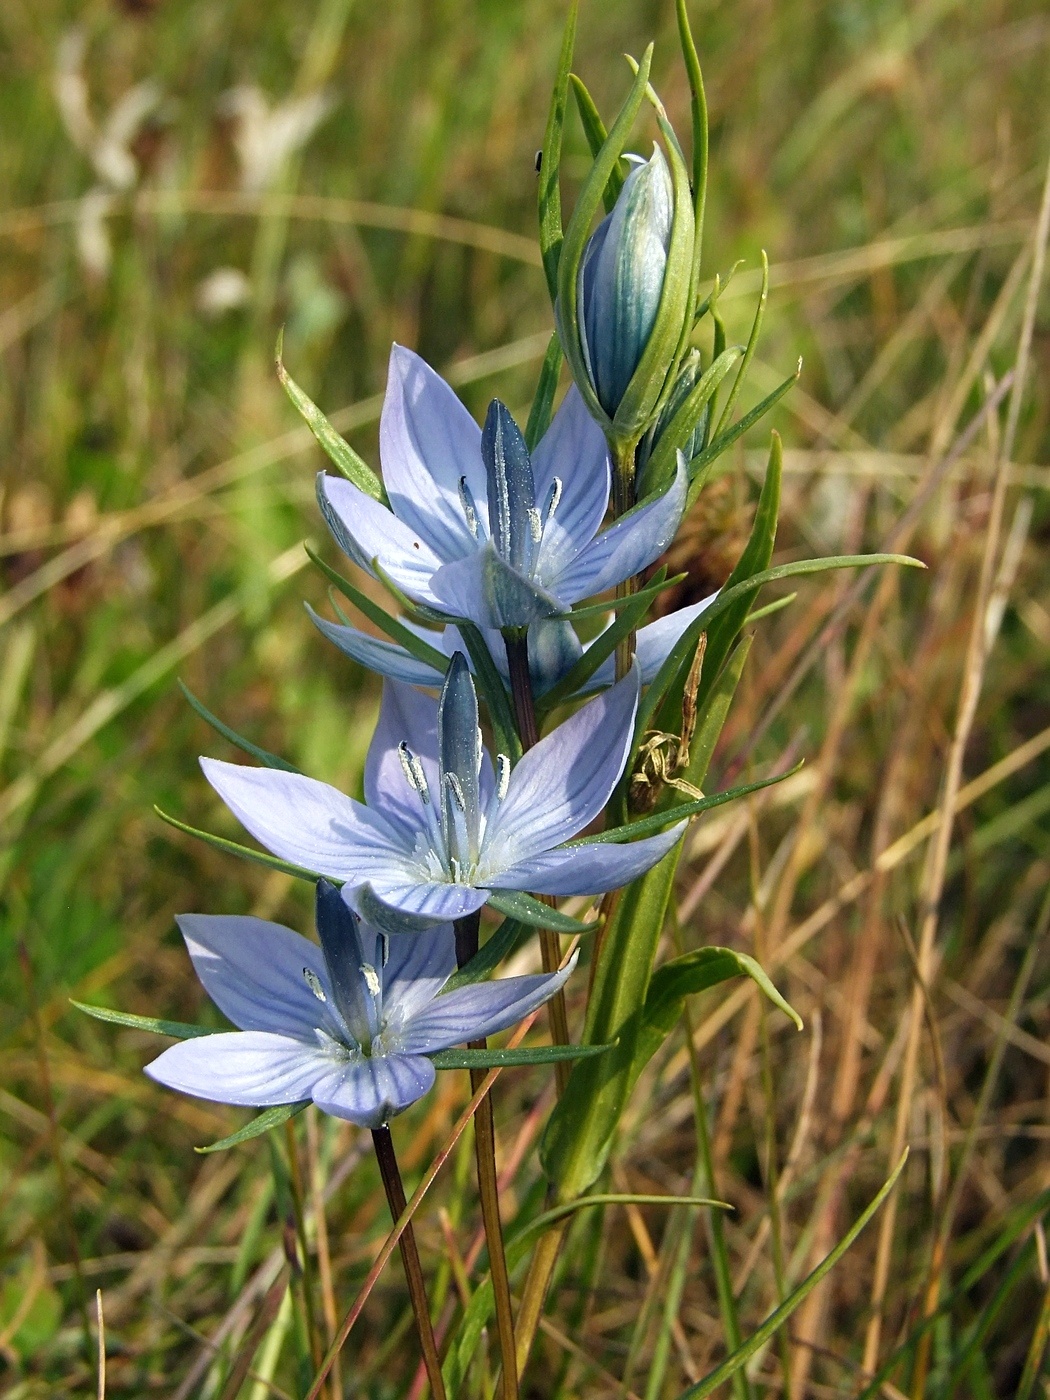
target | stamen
[
  {"x": 313, "y": 982},
  {"x": 535, "y": 525},
  {"x": 502, "y": 776},
  {"x": 455, "y": 787},
  {"x": 470, "y": 510},
  {"x": 371, "y": 977},
  {"x": 413, "y": 771},
  {"x": 553, "y": 497},
  {"x": 384, "y": 943}
]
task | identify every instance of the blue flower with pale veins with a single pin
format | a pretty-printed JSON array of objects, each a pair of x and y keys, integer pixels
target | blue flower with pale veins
[
  {"x": 553, "y": 649},
  {"x": 443, "y": 829},
  {"x": 621, "y": 279},
  {"x": 349, "y": 1024},
  {"x": 480, "y": 529}
]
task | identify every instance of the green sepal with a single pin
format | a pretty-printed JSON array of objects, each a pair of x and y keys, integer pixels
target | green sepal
[
  {"x": 506, "y": 940},
  {"x": 719, "y": 445},
  {"x": 507, "y": 1059},
  {"x": 267, "y": 759},
  {"x": 542, "y": 409},
  {"x": 394, "y": 629},
  {"x": 752, "y": 341},
  {"x": 578, "y": 231},
  {"x": 344, "y": 458},
  {"x": 549, "y": 193},
  {"x": 261, "y": 1123},
  {"x": 233, "y": 848},
  {"x": 596, "y": 134},
  {"x": 493, "y": 691},
  {"x": 758, "y": 1339},
  {"x": 659, "y": 469},
  {"x": 178, "y": 1030},
  {"x": 627, "y": 620},
  {"x": 527, "y": 909}
]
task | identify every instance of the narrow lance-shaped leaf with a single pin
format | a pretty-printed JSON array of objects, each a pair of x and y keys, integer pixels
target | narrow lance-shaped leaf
[
  {"x": 339, "y": 451},
  {"x": 550, "y": 161},
  {"x": 703, "y": 460},
  {"x": 506, "y": 940},
  {"x": 596, "y": 134},
  {"x": 542, "y": 410},
  {"x": 752, "y": 342},
  {"x": 516, "y": 904},
  {"x": 267, "y": 759},
  {"x": 261, "y": 1123},
  {"x": 233, "y": 848},
  {"x": 660, "y": 467},
  {"x": 494, "y": 1058},
  {"x": 178, "y": 1030},
  {"x": 698, "y": 114}
]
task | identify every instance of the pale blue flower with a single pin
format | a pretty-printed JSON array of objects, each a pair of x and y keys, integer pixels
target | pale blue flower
[
  {"x": 480, "y": 529},
  {"x": 349, "y": 1024},
  {"x": 553, "y": 649},
  {"x": 442, "y": 830},
  {"x": 621, "y": 279}
]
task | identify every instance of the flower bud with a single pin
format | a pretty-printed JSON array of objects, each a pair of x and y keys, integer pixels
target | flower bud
[{"x": 621, "y": 279}]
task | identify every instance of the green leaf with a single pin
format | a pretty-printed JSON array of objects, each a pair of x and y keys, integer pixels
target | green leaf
[
  {"x": 698, "y": 113},
  {"x": 659, "y": 469},
  {"x": 776, "y": 1320},
  {"x": 494, "y": 1058},
  {"x": 493, "y": 691},
  {"x": 527, "y": 909},
  {"x": 627, "y": 620},
  {"x": 395, "y": 629},
  {"x": 667, "y": 816},
  {"x": 269, "y": 760},
  {"x": 345, "y": 459},
  {"x": 596, "y": 134},
  {"x": 659, "y": 583},
  {"x": 542, "y": 408},
  {"x": 550, "y": 161},
  {"x": 233, "y": 848},
  {"x": 262, "y": 1123},
  {"x": 178, "y": 1030},
  {"x": 696, "y": 972},
  {"x": 718, "y": 445},
  {"x": 752, "y": 341},
  {"x": 505, "y": 941},
  {"x": 578, "y": 231}
]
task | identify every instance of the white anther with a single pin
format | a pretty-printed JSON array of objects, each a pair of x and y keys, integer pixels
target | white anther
[
  {"x": 535, "y": 525},
  {"x": 470, "y": 510},
  {"x": 553, "y": 497},
  {"x": 314, "y": 984},
  {"x": 413, "y": 770},
  {"x": 502, "y": 776},
  {"x": 371, "y": 977},
  {"x": 384, "y": 943},
  {"x": 455, "y": 787}
]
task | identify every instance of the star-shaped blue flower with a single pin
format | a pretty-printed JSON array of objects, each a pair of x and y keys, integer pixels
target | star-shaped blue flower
[
  {"x": 480, "y": 529},
  {"x": 442, "y": 829},
  {"x": 349, "y": 1024}
]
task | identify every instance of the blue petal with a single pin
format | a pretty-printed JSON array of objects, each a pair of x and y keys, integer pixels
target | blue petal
[
  {"x": 253, "y": 972},
  {"x": 469, "y": 1013},
  {"x": 413, "y": 907},
  {"x": 652, "y": 646},
  {"x": 627, "y": 546},
  {"x": 253, "y": 1068},
  {"x": 309, "y": 823},
  {"x": 365, "y": 531},
  {"x": 417, "y": 967},
  {"x": 427, "y": 442},
  {"x": 574, "y": 450},
  {"x": 405, "y": 716},
  {"x": 371, "y": 1090},
  {"x": 553, "y": 649},
  {"x": 384, "y": 658},
  {"x": 483, "y": 588},
  {"x": 591, "y": 869},
  {"x": 563, "y": 783}
]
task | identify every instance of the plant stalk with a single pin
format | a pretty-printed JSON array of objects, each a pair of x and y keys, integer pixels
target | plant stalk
[
  {"x": 485, "y": 1152},
  {"x": 395, "y": 1195},
  {"x": 517, "y": 644}
]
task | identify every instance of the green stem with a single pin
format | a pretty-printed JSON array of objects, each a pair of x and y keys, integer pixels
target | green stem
[
  {"x": 517, "y": 644},
  {"x": 395, "y": 1195},
  {"x": 485, "y": 1151}
]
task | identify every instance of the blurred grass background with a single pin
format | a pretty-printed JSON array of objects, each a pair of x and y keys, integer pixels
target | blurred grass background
[{"x": 179, "y": 180}]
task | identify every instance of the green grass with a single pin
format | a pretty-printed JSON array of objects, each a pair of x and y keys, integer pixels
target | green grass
[{"x": 889, "y": 158}]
